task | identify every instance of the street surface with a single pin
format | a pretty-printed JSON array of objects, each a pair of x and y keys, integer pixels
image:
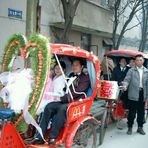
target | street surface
[{"x": 116, "y": 138}]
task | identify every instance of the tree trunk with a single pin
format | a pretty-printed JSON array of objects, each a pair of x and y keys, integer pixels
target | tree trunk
[
  {"x": 116, "y": 22},
  {"x": 69, "y": 10},
  {"x": 144, "y": 28},
  {"x": 67, "y": 27}
]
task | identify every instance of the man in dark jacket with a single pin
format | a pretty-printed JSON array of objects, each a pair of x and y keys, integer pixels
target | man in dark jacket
[
  {"x": 120, "y": 71},
  {"x": 118, "y": 75},
  {"x": 57, "y": 110}
]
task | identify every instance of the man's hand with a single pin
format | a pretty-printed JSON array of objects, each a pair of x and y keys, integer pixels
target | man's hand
[{"x": 124, "y": 88}]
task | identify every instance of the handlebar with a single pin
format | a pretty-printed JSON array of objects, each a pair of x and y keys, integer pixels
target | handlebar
[{"x": 121, "y": 87}]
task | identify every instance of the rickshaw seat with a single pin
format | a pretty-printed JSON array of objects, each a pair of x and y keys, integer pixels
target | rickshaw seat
[{"x": 6, "y": 113}]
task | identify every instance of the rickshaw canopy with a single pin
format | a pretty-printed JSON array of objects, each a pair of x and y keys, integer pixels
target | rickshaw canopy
[
  {"x": 125, "y": 53},
  {"x": 69, "y": 50}
]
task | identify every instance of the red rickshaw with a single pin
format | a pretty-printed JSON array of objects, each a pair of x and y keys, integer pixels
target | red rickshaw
[
  {"x": 80, "y": 125},
  {"x": 114, "y": 106}
]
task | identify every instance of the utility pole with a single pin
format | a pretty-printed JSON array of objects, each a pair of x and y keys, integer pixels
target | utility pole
[{"x": 31, "y": 17}]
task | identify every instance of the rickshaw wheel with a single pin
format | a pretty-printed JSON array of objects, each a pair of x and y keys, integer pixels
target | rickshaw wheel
[
  {"x": 85, "y": 136},
  {"x": 103, "y": 127},
  {"x": 146, "y": 113}
]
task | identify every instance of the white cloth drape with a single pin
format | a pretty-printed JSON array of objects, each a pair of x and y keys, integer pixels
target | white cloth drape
[{"x": 17, "y": 89}]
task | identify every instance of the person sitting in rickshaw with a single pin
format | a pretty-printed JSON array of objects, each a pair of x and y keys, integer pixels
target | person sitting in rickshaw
[
  {"x": 131, "y": 63},
  {"x": 54, "y": 88},
  {"x": 53, "y": 92},
  {"x": 57, "y": 110},
  {"x": 120, "y": 71},
  {"x": 118, "y": 75}
]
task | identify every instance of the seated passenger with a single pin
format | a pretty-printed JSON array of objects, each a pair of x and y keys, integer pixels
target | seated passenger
[
  {"x": 120, "y": 71},
  {"x": 131, "y": 63},
  {"x": 54, "y": 88},
  {"x": 118, "y": 75},
  {"x": 58, "y": 109}
]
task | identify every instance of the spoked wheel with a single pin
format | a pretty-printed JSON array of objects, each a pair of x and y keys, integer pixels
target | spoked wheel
[
  {"x": 146, "y": 115},
  {"x": 85, "y": 136},
  {"x": 103, "y": 127},
  {"x": 146, "y": 112},
  {"x": 113, "y": 112}
]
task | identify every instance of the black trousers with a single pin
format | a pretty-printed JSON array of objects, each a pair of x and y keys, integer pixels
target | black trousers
[
  {"x": 57, "y": 112},
  {"x": 124, "y": 98},
  {"x": 136, "y": 107}
]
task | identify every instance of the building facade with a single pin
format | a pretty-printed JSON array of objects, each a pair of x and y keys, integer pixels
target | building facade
[
  {"x": 91, "y": 29},
  {"x": 92, "y": 25}
]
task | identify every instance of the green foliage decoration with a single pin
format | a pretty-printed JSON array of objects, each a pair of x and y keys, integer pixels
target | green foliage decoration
[
  {"x": 37, "y": 43},
  {"x": 15, "y": 43}
]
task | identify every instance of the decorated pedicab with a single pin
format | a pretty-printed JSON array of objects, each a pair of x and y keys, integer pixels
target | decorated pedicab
[
  {"x": 111, "y": 92},
  {"x": 80, "y": 127}
]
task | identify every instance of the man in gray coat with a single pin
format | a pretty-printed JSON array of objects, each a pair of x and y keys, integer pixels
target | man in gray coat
[{"x": 136, "y": 81}]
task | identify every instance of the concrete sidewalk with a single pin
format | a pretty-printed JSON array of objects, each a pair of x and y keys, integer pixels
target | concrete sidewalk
[{"x": 116, "y": 138}]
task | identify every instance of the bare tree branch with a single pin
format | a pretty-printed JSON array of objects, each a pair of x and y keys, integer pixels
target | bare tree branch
[
  {"x": 132, "y": 27},
  {"x": 144, "y": 27},
  {"x": 134, "y": 4},
  {"x": 124, "y": 8},
  {"x": 138, "y": 19}
]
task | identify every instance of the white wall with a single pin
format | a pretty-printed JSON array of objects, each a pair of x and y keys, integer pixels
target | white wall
[
  {"x": 87, "y": 15},
  {"x": 8, "y": 25},
  {"x": 94, "y": 17}
]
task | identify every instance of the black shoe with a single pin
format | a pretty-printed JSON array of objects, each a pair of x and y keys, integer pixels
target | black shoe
[
  {"x": 51, "y": 142},
  {"x": 140, "y": 131},
  {"x": 35, "y": 141},
  {"x": 129, "y": 132}
]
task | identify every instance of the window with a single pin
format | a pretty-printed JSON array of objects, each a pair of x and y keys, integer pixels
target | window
[{"x": 85, "y": 41}]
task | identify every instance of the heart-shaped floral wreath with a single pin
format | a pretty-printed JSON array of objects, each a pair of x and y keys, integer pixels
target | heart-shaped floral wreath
[{"x": 37, "y": 48}]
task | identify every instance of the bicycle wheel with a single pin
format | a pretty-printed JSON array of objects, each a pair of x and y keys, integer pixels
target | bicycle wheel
[
  {"x": 113, "y": 113},
  {"x": 85, "y": 136},
  {"x": 146, "y": 114},
  {"x": 103, "y": 127}
]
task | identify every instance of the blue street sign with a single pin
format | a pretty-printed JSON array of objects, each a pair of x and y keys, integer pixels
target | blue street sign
[{"x": 15, "y": 13}]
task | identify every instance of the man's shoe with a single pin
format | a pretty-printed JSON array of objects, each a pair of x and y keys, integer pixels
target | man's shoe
[
  {"x": 140, "y": 131},
  {"x": 35, "y": 141},
  {"x": 51, "y": 142},
  {"x": 129, "y": 132}
]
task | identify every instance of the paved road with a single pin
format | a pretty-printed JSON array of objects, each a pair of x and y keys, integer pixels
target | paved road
[{"x": 116, "y": 138}]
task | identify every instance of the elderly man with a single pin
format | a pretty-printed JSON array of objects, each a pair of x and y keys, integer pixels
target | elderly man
[{"x": 136, "y": 81}]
